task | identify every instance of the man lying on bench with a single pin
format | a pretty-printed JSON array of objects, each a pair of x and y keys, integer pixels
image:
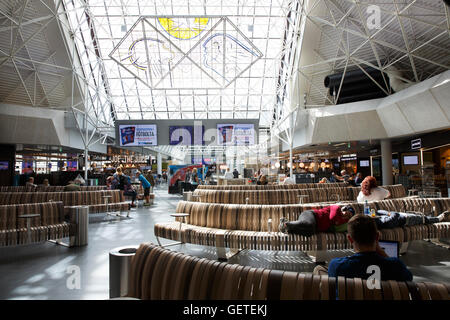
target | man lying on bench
[{"x": 334, "y": 218}]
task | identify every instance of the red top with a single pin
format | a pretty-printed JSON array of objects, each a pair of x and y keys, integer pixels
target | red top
[{"x": 328, "y": 216}]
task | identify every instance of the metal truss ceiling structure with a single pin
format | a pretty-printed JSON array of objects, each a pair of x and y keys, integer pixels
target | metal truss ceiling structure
[
  {"x": 195, "y": 59},
  {"x": 411, "y": 43},
  {"x": 28, "y": 72}
]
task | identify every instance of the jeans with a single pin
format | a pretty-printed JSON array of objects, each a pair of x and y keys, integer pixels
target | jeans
[
  {"x": 305, "y": 225},
  {"x": 400, "y": 219}
]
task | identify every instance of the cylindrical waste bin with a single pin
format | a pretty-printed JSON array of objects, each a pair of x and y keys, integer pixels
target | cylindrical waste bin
[
  {"x": 187, "y": 196},
  {"x": 79, "y": 217},
  {"x": 119, "y": 268}
]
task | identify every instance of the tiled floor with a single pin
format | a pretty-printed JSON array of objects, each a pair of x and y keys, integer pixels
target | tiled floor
[{"x": 41, "y": 271}]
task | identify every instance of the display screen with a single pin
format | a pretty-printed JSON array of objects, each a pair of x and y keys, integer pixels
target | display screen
[
  {"x": 364, "y": 163},
  {"x": 72, "y": 164},
  {"x": 4, "y": 165},
  {"x": 138, "y": 135},
  {"x": 186, "y": 135},
  {"x": 27, "y": 166},
  {"x": 410, "y": 160},
  {"x": 236, "y": 134}
]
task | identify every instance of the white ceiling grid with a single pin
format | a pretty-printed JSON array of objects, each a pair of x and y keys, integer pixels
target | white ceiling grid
[
  {"x": 414, "y": 37},
  {"x": 27, "y": 74},
  {"x": 192, "y": 59}
]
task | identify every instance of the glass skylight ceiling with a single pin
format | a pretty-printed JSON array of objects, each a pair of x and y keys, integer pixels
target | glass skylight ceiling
[{"x": 194, "y": 59}]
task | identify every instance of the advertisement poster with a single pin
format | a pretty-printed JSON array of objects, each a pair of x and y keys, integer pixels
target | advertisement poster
[
  {"x": 236, "y": 134},
  {"x": 4, "y": 165},
  {"x": 138, "y": 135}
]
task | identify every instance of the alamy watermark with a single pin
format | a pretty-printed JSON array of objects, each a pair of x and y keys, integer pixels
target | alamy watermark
[
  {"x": 374, "y": 19},
  {"x": 374, "y": 280},
  {"x": 73, "y": 281}
]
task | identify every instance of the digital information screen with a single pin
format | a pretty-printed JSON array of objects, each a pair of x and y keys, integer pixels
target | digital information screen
[
  {"x": 410, "y": 160},
  {"x": 236, "y": 134},
  {"x": 4, "y": 165},
  {"x": 364, "y": 163},
  {"x": 138, "y": 135},
  {"x": 186, "y": 135}
]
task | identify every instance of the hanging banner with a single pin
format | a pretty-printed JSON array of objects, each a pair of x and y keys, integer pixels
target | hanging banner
[{"x": 138, "y": 135}]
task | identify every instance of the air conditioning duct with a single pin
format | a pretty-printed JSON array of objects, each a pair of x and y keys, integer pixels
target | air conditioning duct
[{"x": 357, "y": 85}]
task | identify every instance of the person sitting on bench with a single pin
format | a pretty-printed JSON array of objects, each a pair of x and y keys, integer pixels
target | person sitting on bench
[
  {"x": 363, "y": 235},
  {"x": 73, "y": 186},
  {"x": 124, "y": 184},
  {"x": 332, "y": 218}
]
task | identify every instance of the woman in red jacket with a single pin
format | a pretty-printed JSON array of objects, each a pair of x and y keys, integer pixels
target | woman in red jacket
[{"x": 332, "y": 218}]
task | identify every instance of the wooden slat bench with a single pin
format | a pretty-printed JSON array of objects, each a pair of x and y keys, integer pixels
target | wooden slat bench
[
  {"x": 93, "y": 199},
  {"x": 287, "y": 196},
  {"x": 160, "y": 274},
  {"x": 48, "y": 225},
  {"x": 263, "y": 240},
  {"x": 245, "y": 226},
  {"x": 273, "y": 186}
]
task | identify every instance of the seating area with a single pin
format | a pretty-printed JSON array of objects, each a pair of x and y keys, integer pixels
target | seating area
[
  {"x": 94, "y": 199},
  {"x": 245, "y": 226},
  {"x": 282, "y": 150},
  {"x": 160, "y": 274},
  {"x": 289, "y": 196},
  {"x": 49, "y": 224}
]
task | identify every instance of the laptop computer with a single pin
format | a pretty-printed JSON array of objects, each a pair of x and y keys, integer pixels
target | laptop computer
[{"x": 392, "y": 248}]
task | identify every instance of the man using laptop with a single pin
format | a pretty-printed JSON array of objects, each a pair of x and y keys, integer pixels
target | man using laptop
[{"x": 363, "y": 235}]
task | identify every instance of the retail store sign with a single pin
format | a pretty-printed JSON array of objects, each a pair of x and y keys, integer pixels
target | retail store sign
[
  {"x": 347, "y": 157},
  {"x": 416, "y": 144}
]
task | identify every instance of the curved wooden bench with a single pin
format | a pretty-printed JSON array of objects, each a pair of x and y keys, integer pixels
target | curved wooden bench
[
  {"x": 255, "y": 217},
  {"x": 287, "y": 196},
  {"x": 158, "y": 273},
  {"x": 245, "y": 226},
  {"x": 263, "y": 240}
]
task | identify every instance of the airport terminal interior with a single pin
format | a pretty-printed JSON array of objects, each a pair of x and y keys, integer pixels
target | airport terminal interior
[{"x": 224, "y": 150}]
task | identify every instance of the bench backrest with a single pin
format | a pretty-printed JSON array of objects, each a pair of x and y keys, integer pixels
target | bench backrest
[
  {"x": 288, "y": 196},
  {"x": 71, "y": 198},
  {"x": 254, "y": 217},
  {"x": 50, "y": 213},
  {"x": 273, "y": 186},
  {"x": 46, "y": 188},
  {"x": 157, "y": 273}
]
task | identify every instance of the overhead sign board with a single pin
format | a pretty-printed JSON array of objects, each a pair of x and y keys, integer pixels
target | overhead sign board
[{"x": 416, "y": 144}]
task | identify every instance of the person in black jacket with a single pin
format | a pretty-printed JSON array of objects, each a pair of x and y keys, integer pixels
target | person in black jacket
[{"x": 124, "y": 184}]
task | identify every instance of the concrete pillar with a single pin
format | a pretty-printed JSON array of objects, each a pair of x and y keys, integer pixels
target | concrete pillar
[
  {"x": 386, "y": 162},
  {"x": 159, "y": 163}
]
